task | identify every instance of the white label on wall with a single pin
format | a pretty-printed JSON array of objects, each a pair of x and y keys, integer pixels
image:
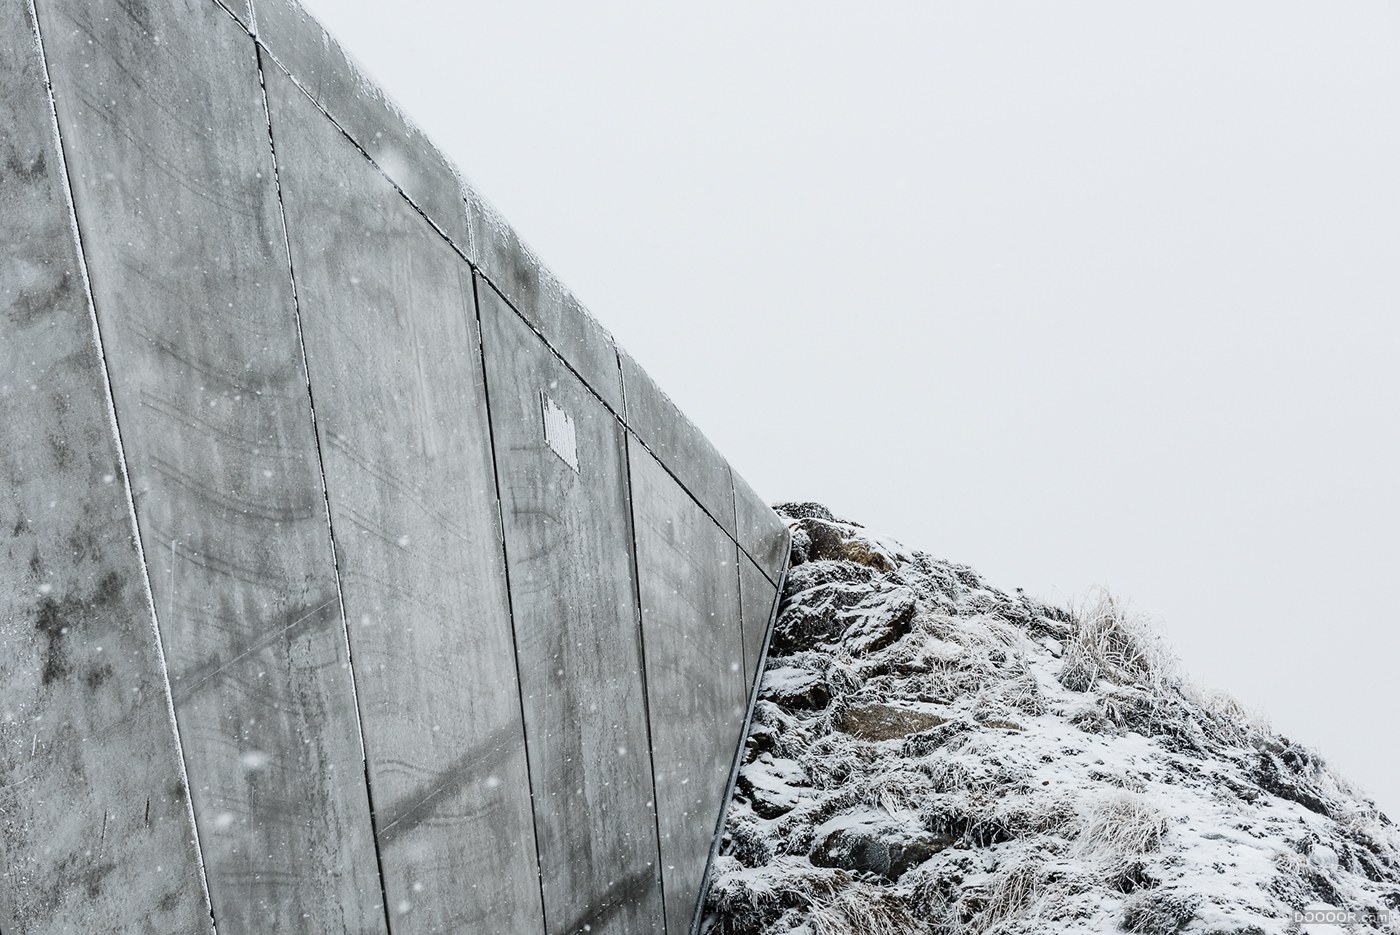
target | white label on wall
[{"x": 559, "y": 431}]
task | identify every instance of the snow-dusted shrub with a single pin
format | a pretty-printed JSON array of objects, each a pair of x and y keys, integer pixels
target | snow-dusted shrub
[
  {"x": 863, "y": 911},
  {"x": 746, "y": 841},
  {"x": 1109, "y": 643},
  {"x": 1159, "y": 912},
  {"x": 1120, "y": 709},
  {"x": 900, "y": 790},
  {"x": 1009, "y": 894},
  {"x": 949, "y": 773},
  {"x": 785, "y": 735},
  {"x": 834, "y": 759},
  {"x": 740, "y": 902},
  {"x": 1298, "y": 883},
  {"x": 1025, "y": 815},
  {"x": 1130, "y": 876},
  {"x": 1120, "y": 827},
  {"x": 1235, "y": 723},
  {"x": 1012, "y": 695},
  {"x": 963, "y": 768},
  {"x": 745, "y": 901},
  {"x": 933, "y": 889},
  {"x": 1091, "y": 717}
]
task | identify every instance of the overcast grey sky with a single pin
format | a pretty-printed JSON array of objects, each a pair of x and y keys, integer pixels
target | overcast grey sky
[{"x": 1084, "y": 293}]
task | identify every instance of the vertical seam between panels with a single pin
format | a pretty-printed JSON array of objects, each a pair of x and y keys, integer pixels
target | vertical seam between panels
[
  {"x": 325, "y": 494},
  {"x": 646, "y": 684},
  {"x": 510, "y": 598},
  {"x": 115, "y": 425}
]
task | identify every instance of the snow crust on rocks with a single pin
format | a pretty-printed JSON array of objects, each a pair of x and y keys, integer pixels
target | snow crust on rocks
[{"x": 932, "y": 755}]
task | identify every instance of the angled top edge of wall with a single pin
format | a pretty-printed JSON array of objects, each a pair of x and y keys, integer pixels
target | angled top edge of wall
[
  {"x": 297, "y": 43},
  {"x": 343, "y": 89},
  {"x": 533, "y": 290}
]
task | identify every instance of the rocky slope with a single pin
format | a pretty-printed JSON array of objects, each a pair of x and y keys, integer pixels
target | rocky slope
[{"x": 932, "y": 755}]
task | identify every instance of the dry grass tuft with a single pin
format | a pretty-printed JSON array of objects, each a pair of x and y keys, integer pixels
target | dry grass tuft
[
  {"x": 1120, "y": 828},
  {"x": 1111, "y": 643}
]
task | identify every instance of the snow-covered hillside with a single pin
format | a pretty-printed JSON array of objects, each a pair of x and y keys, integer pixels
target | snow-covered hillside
[{"x": 932, "y": 755}]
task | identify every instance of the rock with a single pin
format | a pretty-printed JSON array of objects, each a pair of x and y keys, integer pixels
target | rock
[
  {"x": 795, "y": 688},
  {"x": 830, "y": 542},
  {"x": 874, "y": 624},
  {"x": 771, "y": 784},
  {"x": 875, "y": 844},
  {"x": 807, "y": 510},
  {"x": 885, "y": 722},
  {"x": 1284, "y": 769},
  {"x": 801, "y": 542},
  {"x": 846, "y": 614}
]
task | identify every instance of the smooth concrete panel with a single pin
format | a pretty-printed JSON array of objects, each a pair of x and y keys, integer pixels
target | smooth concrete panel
[
  {"x": 95, "y": 828},
  {"x": 389, "y": 325},
  {"x": 568, "y": 538},
  {"x": 761, "y": 532},
  {"x": 536, "y": 293},
  {"x": 679, "y": 445},
  {"x": 696, "y": 689},
  {"x": 757, "y": 597},
  {"x": 339, "y": 86},
  {"x": 172, "y": 172}
]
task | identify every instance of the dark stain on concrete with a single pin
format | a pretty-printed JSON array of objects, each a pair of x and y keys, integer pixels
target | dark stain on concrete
[
  {"x": 62, "y": 451},
  {"x": 109, "y": 590},
  {"x": 29, "y": 305},
  {"x": 31, "y": 171},
  {"x": 139, "y": 13},
  {"x": 399, "y": 818},
  {"x": 628, "y": 891},
  {"x": 84, "y": 545},
  {"x": 211, "y": 670},
  {"x": 93, "y": 877},
  {"x": 55, "y": 620},
  {"x": 96, "y": 675},
  {"x": 50, "y": 622}
]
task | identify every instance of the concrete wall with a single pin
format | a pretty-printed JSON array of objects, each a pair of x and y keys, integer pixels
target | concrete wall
[{"x": 352, "y": 579}]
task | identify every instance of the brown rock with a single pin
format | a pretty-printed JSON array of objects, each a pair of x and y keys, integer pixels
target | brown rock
[{"x": 885, "y": 722}]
